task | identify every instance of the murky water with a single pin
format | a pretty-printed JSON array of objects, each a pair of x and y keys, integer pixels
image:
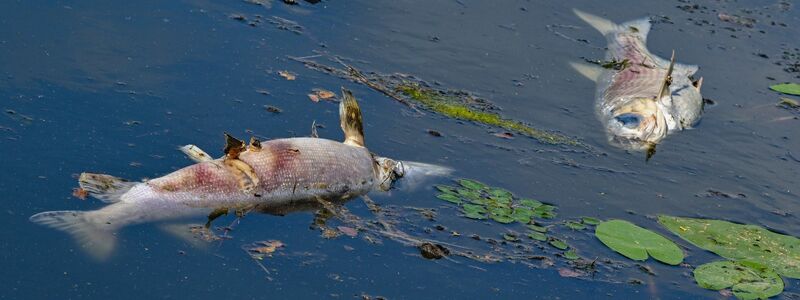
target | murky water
[{"x": 116, "y": 88}]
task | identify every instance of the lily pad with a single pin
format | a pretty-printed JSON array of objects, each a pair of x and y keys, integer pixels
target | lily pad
[
  {"x": 575, "y": 225},
  {"x": 787, "y": 88},
  {"x": 590, "y": 221},
  {"x": 537, "y": 236},
  {"x": 505, "y": 219},
  {"x": 636, "y": 243},
  {"x": 537, "y": 228},
  {"x": 559, "y": 244},
  {"x": 510, "y": 237},
  {"x": 446, "y": 189},
  {"x": 522, "y": 215},
  {"x": 472, "y": 208},
  {"x": 476, "y": 215},
  {"x": 450, "y": 198},
  {"x": 740, "y": 242},
  {"x": 571, "y": 255},
  {"x": 530, "y": 203},
  {"x": 747, "y": 280},
  {"x": 500, "y": 193},
  {"x": 471, "y": 184}
]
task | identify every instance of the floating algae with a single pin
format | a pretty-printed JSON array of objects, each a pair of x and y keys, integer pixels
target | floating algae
[{"x": 461, "y": 105}]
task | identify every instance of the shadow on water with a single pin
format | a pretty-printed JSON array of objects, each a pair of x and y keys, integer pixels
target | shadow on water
[{"x": 116, "y": 88}]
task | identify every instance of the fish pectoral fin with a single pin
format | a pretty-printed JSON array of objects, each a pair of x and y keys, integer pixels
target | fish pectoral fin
[
  {"x": 245, "y": 175},
  {"x": 104, "y": 187},
  {"x": 350, "y": 118},
  {"x": 592, "y": 72},
  {"x": 215, "y": 214},
  {"x": 195, "y": 153}
]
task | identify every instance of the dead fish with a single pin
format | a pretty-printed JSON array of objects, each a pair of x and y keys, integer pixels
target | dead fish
[
  {"x": 252, "y": 175},
  {"x": 641, "y": 98}
]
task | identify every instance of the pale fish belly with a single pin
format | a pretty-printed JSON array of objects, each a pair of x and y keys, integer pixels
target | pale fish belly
[
  {"x": 641, "y": 78},
  {"x": 287, "y": 169}
]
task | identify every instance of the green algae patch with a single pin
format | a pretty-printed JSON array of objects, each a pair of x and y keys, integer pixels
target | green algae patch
[{"x": 453, "y": 107}]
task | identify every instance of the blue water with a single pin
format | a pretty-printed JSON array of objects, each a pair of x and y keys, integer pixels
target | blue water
[{"x": 116, "y": 87}]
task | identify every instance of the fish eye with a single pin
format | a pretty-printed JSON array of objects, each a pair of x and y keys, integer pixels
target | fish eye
[{"x": 628, "y": 120}]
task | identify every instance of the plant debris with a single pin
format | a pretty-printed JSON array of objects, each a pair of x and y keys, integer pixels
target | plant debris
[
  {"x": 287, "y": 75},
  {"x": 261, "y": 249},
  {"x": 433, "y": 251}
]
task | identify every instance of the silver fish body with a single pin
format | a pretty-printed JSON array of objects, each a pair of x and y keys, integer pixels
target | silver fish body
[{"x": 630, "y": 102}]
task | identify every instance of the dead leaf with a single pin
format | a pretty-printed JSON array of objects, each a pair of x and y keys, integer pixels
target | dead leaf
[
  {"x": 565, "y": 272},
  {"x": 324, "y": 94},
  {"x": 288, "y": 75}
]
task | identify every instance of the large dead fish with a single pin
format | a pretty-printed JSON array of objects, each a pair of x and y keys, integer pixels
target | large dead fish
[
  {"x": 272, "y": 173},
  {"x": 641, "y": 98}
]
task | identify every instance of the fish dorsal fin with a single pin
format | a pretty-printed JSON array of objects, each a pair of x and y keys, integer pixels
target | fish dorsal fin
[
  {"x": 350, "y": 116},
  {"x": 591, "y": 72},
  {"x": 255, "y": 144},
  {"x": 664, "y": 91},
  {"x": 233, "y": 146}
]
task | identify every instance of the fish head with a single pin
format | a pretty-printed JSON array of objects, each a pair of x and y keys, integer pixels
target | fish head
[
  {"x": 637, "y": 124},
  {"x": 686, "y": 101},
  {"x": 389, "y": 171}
]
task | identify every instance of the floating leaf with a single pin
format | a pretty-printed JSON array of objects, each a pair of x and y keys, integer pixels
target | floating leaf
[
  {"x": 530, "y": 203},
  {"x": 476, "y": 215},
  {"x": 590, "y": 221},
  {"x": 561, "y": 245},
  {"x": 505, "y": 219},
  {"x": 740, "y": 242},
  {"x": 510, "y": 237},
  {"x": 787, "y": 88},
  {"x": 449, "y": 198},
  {"x": 545, "y": 211},
  {"x": 471, "y": 184},
  {"x": 500, "y": 193},
  {"x": 537, "y": 236},
  {"x": 522, "y": 215},
  {"x": 575, "y": 225},
  {"x": 748, "y": 280},
  {"x": 571, "y": 255},
  {"x": 446, "y": 189},
  {"x": 469, "y": 194},
  {"x": 537, "y": 228},
  {"x": 472, "y": 208},
  {"x": 501, "y": 211},
  {"x": 636, "y": 242}
]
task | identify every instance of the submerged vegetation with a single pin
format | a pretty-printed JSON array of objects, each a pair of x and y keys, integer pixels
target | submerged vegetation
[{"x": 455, "y": 104}]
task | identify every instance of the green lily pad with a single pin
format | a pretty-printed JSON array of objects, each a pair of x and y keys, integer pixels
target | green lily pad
[
  {"x": 537, "y": 236},
  {"x": 469, "y": 194},
  {"x": 502, "y": 211},
  {"x": 500, "y": 193},
  {"x": 499, "y": 201},
  {"x": 571, "y": 255},
  {"x": 537, "y": 228},
  {"x": 740, "y": 242},
  {"x": 636, "y": 243},
  {"x": 530, "y": 203},
  {"x": 505, "y": 219},
  {"x": 522, "y": 215},
  {"x": 559, "y": 244},
  {"x": 446, "y": 189},
  {"x": 472, "y": 208},
  {"x": 471, "y": 184},
  {"x": 590, "y": 220},
  {"x": 575, "y": 225},
  {"x": 510, "y": 237},
  {"x": 748, "y": 280},
  {"x": 545, "y": 211},
  {"x": 787, "y": 88},
  {"x": 450, "y": 198},
  {"x": 476, "y": 215}
]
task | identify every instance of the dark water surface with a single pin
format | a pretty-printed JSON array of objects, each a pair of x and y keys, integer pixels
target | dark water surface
[{"x": 116, "y": 87}]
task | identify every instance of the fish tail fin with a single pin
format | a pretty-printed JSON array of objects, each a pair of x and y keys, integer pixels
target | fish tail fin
[
  {"x": 93, "y": 237},
  {"x": 104, "y": 187},
  {"x": 350, "y": 115},
  {"x": 603, "y": 25},
  {"x": 592, "y": 72}
]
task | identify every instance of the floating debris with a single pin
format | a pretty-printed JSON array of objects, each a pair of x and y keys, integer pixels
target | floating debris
[
  {"x": 80, "y": 193},
  {"x": 287, "y": 75},
  {"x": 321, "y": 94},
  {"x": 273, "y": 109},
  {"x": 261, "y": 249},
  {"x": 433, "y": 251},
  {"x": 286, "y": 24},
  {"x": 738, "y": 20}
]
